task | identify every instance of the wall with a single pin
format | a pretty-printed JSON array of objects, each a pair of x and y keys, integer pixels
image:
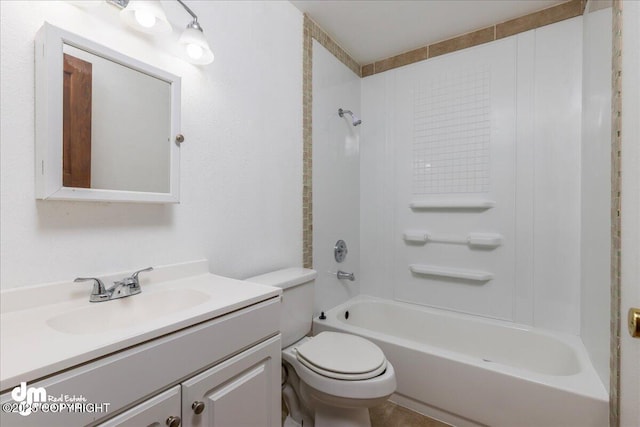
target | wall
[
  {"x": 533, "y": 91},
  {"x": 595, "y": 209},
  {"x": 240, "y": 165},
  {"x": 336, "y": 177}
]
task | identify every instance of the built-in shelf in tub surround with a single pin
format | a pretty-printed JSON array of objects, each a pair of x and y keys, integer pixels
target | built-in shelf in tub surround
[
  {"x": 454, "y": 273},
  {"x": 471, "y": 204},
  {"x": 478, "y": 240}
]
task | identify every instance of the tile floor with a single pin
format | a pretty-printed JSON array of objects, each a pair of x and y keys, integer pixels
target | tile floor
[{"x": 391, "y": 415}]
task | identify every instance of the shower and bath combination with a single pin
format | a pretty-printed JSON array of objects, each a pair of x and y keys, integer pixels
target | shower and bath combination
[{"x": 354, "y": 119}]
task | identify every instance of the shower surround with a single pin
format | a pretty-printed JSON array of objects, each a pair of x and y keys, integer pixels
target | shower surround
[{"x": 485, "y": 140}]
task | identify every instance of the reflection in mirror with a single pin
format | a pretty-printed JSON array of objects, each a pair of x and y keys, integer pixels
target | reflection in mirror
[{"x": 116, "y": 125}]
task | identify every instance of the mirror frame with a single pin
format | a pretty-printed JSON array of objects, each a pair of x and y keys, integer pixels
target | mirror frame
[{"x": 49, "y": 92}]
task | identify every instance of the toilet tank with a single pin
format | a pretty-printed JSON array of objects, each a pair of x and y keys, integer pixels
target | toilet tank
[{"x": 297, "y": 300}]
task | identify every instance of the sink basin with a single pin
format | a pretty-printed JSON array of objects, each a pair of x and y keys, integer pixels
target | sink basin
[{"x": 126, "y": 312}]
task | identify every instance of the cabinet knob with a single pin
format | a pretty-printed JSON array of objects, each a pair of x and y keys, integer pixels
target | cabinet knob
[
  {"x": 173, "y": 421},
  {"x": 197, "y": 407}
]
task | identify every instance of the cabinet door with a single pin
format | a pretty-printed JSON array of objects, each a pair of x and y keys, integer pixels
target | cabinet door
[
  {"x": 161, "y": 410},
  {"x": 243, "y": 391}
]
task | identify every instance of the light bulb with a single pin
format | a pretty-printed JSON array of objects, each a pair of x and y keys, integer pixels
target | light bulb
[
  {"x": 194, "y": 51},
  {"x": 145, "y": 18},
  {"x": 195, "y": 45}
]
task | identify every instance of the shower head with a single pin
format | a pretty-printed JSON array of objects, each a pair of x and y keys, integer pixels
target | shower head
[{"x": 354, "y": 119}]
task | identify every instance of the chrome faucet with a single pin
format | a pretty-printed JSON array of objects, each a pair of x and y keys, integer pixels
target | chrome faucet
[
  {"x": 120, "y": 289},
  {"x": 344, "y": 275}
]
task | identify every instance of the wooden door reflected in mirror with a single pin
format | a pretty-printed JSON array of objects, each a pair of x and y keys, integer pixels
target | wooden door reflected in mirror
[{"x": 76, "y": 126}]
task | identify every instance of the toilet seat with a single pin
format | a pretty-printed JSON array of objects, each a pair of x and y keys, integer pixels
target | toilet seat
[{"x": 342, "y": 356}]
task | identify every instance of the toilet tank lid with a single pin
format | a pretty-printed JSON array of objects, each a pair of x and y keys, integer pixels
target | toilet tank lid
[{"x": 286, "y": 278}]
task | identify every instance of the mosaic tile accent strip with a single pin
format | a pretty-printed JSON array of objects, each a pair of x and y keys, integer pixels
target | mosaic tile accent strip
[
  {"x": 464, "y": 41},
  {"x": 566, "y": 10},
  {"x": 334, "y": 48},
  {"x": 539, "y": 19},
  {"x": 396, "y": 61},
  {"x": 307, "y": 103},
  {"x": 616, "y": 139}
]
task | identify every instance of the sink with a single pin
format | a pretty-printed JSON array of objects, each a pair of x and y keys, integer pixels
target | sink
[{"x": 126, "y": 312}]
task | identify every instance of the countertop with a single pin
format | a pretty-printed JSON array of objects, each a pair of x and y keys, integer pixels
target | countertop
[{"x": 31, "y": 349}]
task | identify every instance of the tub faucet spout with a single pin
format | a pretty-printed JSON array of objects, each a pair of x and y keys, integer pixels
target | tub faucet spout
[{"x": 344, "y": 275}]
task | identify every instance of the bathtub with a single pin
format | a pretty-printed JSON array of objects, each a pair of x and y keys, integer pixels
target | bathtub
[{"x": 470, "y": 371}]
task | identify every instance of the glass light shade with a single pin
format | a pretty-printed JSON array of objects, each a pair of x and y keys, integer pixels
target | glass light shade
[
  {"x": 146, "y": 16},
  {"x": 197, "y": 50}
]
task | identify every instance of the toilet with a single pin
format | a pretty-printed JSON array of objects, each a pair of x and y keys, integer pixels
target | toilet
[{"x": 331, "y": 379}]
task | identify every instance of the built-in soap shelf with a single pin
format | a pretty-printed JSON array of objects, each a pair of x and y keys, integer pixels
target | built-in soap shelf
[
  {"x": 477, "y": 240},
  {"x": 455, "y": 273},
  {"x": 472, "y": 204}
]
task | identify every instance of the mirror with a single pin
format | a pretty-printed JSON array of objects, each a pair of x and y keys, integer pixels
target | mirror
[{"x": 105, "y": 123}]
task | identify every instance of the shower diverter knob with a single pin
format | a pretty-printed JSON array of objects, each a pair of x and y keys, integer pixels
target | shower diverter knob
[{"x": 340, "y": 251}]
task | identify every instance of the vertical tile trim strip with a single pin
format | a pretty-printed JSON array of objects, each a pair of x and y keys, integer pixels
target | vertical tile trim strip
[
  {"x": 616, "y": 145},
  {"x": 307, "y": 102}
]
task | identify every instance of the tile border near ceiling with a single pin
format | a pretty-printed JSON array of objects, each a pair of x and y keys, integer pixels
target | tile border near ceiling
[{"x": 550, "y": 15}]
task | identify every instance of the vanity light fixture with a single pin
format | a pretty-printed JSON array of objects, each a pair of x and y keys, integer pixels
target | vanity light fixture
[
  {"x": 148, "y": 17},
  {"x": 195, "y": 44}
]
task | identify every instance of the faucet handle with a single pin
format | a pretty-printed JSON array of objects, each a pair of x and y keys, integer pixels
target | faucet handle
[
  {"x": 98, "y": 291},
  {"x": 132, "y": 281},
  {"x": 134, "y": 276}
]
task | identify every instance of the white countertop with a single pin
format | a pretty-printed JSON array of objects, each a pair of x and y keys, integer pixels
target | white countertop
[{"x": 31, "y": 349}]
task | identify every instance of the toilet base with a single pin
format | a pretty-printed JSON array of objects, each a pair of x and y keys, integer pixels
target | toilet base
[
  {"x": 330, "y": 402},
  {"x": 342, "y": 417},
  {"x": 290, "y": 422},
  {"x": 332, "y": 411}
]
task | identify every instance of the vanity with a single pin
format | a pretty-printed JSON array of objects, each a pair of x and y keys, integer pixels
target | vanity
[{"x": 192, "y": 349}]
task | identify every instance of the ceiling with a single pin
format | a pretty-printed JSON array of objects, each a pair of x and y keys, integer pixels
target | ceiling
[{"x": 371, "y": 30}]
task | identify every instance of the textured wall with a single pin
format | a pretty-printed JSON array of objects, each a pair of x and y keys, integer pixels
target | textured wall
[{"x": 240, "y": 168}]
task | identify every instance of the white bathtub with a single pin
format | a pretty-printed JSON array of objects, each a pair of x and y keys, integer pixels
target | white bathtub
[{"x": 470, "y": 371}]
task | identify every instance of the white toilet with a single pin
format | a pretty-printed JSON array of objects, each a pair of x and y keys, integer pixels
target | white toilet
[{"x": 336, "y": 377}]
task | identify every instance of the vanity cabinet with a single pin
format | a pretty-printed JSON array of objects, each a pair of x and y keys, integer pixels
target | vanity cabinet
[
  {"x": 238, "y": 392},
  {"x": 230, "y": 364},
  {"x": 160, "y": 410},
  {"x": 217, "y": 397}
]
